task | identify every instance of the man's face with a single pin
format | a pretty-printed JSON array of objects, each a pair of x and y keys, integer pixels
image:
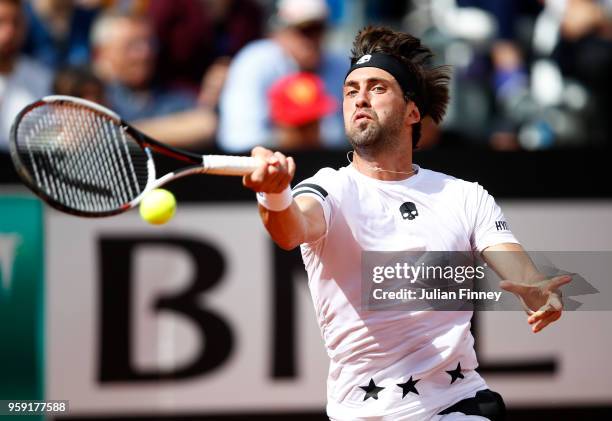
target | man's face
[
  {"x": 374, "y": 108},
  {"x": 131, "y": 52},
  {"x": 306, "y": 43},
  {"x": 11, "y": 30}
]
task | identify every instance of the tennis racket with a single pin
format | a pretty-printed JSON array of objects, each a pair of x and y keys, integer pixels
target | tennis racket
[{"x": 83, "y": 159}]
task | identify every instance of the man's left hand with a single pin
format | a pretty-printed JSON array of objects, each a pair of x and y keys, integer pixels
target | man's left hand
[{"x": 541, "y": 299}]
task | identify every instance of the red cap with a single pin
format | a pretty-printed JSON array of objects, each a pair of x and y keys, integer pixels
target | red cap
[{"x": 299, "y": 99}]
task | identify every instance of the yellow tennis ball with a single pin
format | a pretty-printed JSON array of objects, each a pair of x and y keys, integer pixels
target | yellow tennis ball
[{"x": 158, "y": 206}]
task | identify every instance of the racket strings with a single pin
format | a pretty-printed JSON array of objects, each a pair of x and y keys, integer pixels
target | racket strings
[
  {"x": 71, "y": 163},
  {"x": 66, "y": 164},
  {"x": 119, "y": 166},
  {"x": 81, "y": 158},
  {"x": 89, "y": 153}
]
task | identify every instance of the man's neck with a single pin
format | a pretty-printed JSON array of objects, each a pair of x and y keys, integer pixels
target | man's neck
[{"x": 390, "y": 165}]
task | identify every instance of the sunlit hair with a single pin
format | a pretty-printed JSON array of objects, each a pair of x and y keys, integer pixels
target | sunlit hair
[{"x": 431, "y": 91}]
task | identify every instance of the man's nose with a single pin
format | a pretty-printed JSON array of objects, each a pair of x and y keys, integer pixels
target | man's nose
[{"x": 363, "y": 99}]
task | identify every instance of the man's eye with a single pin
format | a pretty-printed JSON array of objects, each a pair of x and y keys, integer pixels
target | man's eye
[
  {"x": 378, "y": 88},
  {"x": 352, "y": 92}
]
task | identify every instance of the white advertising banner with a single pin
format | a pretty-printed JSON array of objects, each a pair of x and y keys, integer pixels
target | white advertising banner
[{"x": 182, "y": 318}]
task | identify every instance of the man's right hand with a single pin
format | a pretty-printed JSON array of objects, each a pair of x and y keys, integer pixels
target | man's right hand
[
  {"x": 304, "y": 220},
  {"x": 273, "y": 175}
]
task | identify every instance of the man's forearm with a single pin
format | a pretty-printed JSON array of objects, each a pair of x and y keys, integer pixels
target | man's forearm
[
  {"x": 289, "y": 221},
  {"x": 511, "y": 262},
  {"x": 287, "y": 228}
]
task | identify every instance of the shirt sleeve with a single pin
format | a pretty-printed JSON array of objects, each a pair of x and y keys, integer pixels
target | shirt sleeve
[
  {"x": 244, "y": 115},
  {"x": 240, "y": 130},
  {"x": 489, "y": 225},
  {"x": 322, "y": 188}
]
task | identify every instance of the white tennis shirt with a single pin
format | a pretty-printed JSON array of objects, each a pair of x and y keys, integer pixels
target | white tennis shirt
[{"x": 391, "y": 347}]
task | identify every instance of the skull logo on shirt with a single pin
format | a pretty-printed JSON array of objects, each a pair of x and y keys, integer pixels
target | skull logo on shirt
[{"x": 409, "y": 210}]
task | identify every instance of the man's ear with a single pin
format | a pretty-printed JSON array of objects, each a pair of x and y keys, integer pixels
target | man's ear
[{"x": 413, "y": 114}]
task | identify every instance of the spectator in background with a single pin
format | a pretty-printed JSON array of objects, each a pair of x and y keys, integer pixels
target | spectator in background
[
  {"x": 482, "y": 41},
  {"x": 124, "y": 51},
  {"x": 58, "y": 32},
  {"x": 79, "y": 82},
  {"x": 295, "y": 45},
  {"x": 124, "y": 55},
  {"x": 297, "y": 104},
  {"x": 584, "y": 52},
  {"x": 510, "y": 79},
  {"x": 22, "y": 80},
  {"x": 195, "y": 34}
]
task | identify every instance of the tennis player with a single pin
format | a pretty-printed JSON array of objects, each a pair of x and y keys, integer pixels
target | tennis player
[{"x": 394, "y": 365}]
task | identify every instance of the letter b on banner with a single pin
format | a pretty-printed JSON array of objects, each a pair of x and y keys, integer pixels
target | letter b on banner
[{"x": 117, "y": 302}]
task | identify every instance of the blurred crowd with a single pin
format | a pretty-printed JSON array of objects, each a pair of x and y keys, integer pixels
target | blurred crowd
[{"x": 231, "y": 74}]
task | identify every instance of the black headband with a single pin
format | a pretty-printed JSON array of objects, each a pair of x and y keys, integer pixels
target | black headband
[{"x": 407, "y": 80}]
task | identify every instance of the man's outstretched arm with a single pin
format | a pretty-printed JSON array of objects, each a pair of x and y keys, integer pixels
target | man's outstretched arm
[{"x": 303, "y": 220}]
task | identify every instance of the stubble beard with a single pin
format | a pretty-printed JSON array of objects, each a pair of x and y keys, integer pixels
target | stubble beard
[{"x": 370, "y": 137}]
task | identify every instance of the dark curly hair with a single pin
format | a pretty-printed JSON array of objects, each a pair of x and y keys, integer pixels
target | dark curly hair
[{"x": 431, "y": 91}]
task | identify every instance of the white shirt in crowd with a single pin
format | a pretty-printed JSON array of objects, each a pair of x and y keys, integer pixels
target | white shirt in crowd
[{"x": 390, "y": 347}]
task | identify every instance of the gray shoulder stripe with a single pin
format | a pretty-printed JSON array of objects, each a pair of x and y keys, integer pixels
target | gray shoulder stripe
[
  {"x": 305, "y": 191},
  {"x": 313, "y": 186}
]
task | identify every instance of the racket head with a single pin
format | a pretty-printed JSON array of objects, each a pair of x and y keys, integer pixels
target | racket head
[{"x": 80, "y": 157}]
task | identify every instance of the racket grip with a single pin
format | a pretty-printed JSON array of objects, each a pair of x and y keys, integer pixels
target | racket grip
[{"x": 229, "y": 165}]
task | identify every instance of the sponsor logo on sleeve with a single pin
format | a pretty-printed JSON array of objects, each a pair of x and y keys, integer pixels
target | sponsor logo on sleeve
[{"x": 501, "y": 226}]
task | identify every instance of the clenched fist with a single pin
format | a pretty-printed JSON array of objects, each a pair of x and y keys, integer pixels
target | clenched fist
[{"x": 273, "y": 175}]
